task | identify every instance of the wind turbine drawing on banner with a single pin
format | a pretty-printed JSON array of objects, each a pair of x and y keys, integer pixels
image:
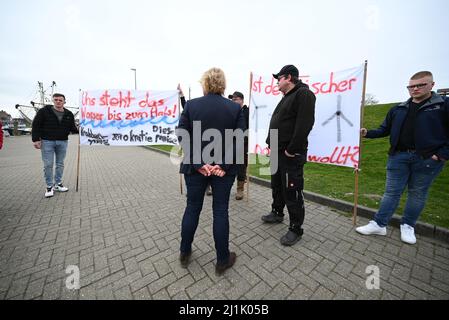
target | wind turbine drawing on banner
[
  {"x": 338, "y": 114},
  {"x": 256, "y": 112}
]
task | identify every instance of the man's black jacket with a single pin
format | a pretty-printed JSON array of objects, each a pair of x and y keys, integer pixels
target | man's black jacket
[
  {"x": 46, "y": 125},
  {"x": 294, "y": 117}
]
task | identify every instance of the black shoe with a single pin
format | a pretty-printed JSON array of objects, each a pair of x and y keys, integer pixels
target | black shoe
[
  {"x": 220, "y": 269},
  {"x": 184, "y": 258},
  {"x": 273, "y": 217},
  {"x": 291, "y": 237}
]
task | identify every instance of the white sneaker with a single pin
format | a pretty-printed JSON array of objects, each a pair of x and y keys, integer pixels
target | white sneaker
[
  {"x": 408, "y": 234},
  {"x": 372, "y": 228},
  {"x": 61, "y": 188},
  {"x": 49, "y": 192}
]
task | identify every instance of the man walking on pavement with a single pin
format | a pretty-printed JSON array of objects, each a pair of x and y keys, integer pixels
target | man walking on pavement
[{"x": 238, "y": 98}]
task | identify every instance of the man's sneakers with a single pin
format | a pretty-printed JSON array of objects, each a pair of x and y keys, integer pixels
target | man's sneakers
[
  {"x": 408, "y": 234},
  {"x": 273, "y": 217},
  {"x": 59, "y": 187},
  {"x": 372, "y": 228},
  {"x": 49, "y": 192}
]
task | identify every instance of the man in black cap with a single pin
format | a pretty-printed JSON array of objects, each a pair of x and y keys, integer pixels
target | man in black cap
[
  {"x": 238, "y": 98},
  {"x": 293, "y": 119}
]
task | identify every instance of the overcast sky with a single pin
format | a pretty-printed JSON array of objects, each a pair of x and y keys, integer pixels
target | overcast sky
[{"x": 93, "y": 44}]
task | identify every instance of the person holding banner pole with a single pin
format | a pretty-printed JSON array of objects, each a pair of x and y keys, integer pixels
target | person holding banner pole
[
  {"x": 182, "y": 103},
  {"x": 50, "y": 129},
  {"x": 206, "y": 133},
  {"x": 419, "y": 148},
  {"x": 181, "y": 96},
  {"x": 293, "y": 119},
  {"x": 238, "y": 97}
]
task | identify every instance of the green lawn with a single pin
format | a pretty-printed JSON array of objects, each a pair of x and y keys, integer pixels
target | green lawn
[
  {"x": 338, "y": 182},
  {"x": 166, "y": 148}
]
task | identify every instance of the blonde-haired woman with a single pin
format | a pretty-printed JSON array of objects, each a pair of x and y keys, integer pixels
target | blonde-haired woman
[{"x": 215, "y": 114}]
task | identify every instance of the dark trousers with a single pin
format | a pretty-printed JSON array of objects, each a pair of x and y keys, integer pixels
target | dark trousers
[
  {"x": 221, "y": 190},
  {"x": 241, "y": 176},
  {"x": 287, "y": 185}
]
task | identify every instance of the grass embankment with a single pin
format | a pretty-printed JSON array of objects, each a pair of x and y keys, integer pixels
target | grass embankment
[{"x": 338, "y": 182}]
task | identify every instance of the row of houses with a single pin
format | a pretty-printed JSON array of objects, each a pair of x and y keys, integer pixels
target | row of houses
[{"x": 13, "y": 126}]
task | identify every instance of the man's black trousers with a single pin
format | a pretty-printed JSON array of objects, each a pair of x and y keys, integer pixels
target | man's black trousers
[{"x": 287, "y": 184}]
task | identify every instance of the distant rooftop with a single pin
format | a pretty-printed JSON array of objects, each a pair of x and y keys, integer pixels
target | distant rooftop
[{"x": 443, "y": 92}]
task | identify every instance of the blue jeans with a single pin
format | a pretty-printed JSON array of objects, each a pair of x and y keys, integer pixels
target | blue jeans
[
  {"x": 221, "y": 190},
  {"x": 407, "y": 169},
  {"x": 50, "y": 150}
]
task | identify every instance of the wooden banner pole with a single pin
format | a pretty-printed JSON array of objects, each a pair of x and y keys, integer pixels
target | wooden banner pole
[
  {"x": 356, "y": 196},
  {"x": 179, "y": 115},
  {"x": 247, "y": 154},
  {"x": 357, "y": 170},
  {"x": 78, "y": 161},
  {"x": 79, "y": 151}
]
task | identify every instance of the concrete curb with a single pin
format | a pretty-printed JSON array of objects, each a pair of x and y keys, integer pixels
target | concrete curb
[{"x": 421, "y": 228}]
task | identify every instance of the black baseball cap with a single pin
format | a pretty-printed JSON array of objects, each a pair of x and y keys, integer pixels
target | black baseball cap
[
  {"x": 237, "y": 94},
  {"x": 286, "y": 70}
]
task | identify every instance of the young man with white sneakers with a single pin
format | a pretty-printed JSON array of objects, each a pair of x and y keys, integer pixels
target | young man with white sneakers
[
  {"x": 419, "y": 139},
  {"x": 50, "y": 130}
]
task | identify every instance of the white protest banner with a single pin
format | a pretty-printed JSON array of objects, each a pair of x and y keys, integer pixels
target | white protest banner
[
  {"x": 334, "y": 138},
  {"x": 128, "y": 117}
]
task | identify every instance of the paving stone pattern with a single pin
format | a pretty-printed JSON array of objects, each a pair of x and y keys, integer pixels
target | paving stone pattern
[{"x": 122, "y": 229}]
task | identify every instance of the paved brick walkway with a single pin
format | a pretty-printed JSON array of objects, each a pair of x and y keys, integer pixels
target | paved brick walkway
[{"x": 123, "y": 230}]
